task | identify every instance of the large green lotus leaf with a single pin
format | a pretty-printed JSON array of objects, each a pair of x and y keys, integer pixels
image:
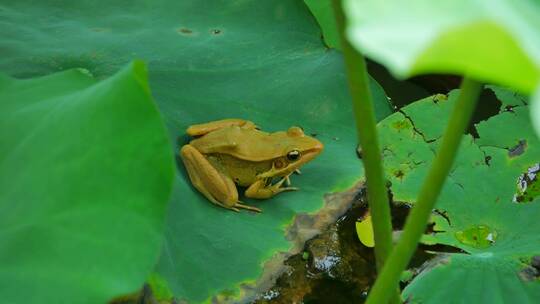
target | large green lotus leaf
[
  {"x": 85, "y": 176},
  {"x": 491, "y": 40},
  {"x": 476, "y": 207},
  {"x": 258, "y": 60}
]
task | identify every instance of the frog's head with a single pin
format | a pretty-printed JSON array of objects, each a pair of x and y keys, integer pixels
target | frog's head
[{"x": 296, "y": 150}]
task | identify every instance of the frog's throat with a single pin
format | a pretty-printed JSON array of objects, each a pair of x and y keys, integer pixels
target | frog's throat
[{"x": 276, "y": 172}]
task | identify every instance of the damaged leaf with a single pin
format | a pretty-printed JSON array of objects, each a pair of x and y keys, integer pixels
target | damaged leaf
[{"x": 476, "y": 208}]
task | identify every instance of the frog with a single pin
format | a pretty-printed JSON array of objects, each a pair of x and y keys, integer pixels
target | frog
[{"x": 230, "y": 153}]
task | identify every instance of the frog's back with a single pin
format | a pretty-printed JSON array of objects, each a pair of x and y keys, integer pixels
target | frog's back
[{"x": 246, "y": 144}]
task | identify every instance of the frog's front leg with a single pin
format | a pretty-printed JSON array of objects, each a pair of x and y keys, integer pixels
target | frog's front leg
[
  {"x": 261, "y": 189},
  {"x": 288, "y": 180},
  {"x": 215, "y": 186}
]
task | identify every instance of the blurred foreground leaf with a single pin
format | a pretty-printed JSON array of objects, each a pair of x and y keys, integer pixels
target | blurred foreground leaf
[
  {"x": 85, "y": 174},
  {"x": 494, "y": 41}
]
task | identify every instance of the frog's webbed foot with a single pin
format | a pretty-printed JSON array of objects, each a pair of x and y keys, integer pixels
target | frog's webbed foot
[
  {"x": 261, "y": 189},
  {"x": 239, "y": 204},
  {"x": 287, "y": 182},
  {"x": 236, "y": 207}
]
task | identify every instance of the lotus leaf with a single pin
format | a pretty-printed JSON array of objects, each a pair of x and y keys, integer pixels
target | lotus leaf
[
  {"x": 476, "y": 211},
  {"x": 86, "y": 171}
]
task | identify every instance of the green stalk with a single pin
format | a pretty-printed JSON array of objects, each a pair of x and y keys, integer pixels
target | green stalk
[
  {"x": 419, "y": 216},
  {"x": 367, "y": 136}
]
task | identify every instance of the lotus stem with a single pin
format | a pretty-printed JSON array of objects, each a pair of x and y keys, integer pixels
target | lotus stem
[{"x": 366, "y": 127}]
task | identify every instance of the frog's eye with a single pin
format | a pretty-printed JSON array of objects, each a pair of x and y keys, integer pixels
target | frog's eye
[{"x": 293, "y": 155}]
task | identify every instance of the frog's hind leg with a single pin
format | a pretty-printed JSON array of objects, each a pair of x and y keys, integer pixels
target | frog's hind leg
[
  {"x": 216, "y": 187},
  {"x": 204, "y": 128}
]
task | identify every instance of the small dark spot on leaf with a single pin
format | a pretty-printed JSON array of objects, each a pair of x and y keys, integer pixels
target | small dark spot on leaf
[
  {"x": 487, "y": 159},
  {"x": 215, "y": 31},
  {"x": 335, "y": 138},
  {"x": 399, "y": 174},
  {"x": 401, "y": 124},
  {"x": 518, "y": 149},
  {"x": 99, "y": 29},
  {"x": 529, "y": 273},
  {"x": 184, "y": 31},
  {"x": 532, "y": 271}
]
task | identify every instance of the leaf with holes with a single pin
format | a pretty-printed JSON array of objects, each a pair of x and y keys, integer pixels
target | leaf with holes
[
  {"x": 476, "y": 210},
  {"x": 258, "y": 60}
]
